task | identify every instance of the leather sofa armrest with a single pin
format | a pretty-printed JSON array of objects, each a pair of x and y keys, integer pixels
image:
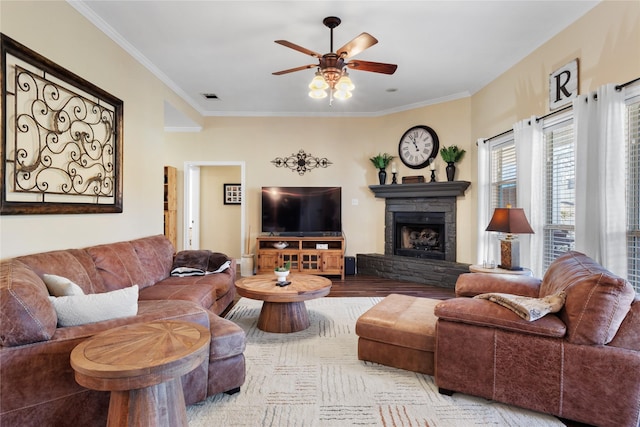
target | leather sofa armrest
[
  {"x": 482, "y": 312},
  {"x": 472, "y": 284}
]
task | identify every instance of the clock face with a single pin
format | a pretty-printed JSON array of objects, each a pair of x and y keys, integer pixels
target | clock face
[{"x": 417, "y": 146}]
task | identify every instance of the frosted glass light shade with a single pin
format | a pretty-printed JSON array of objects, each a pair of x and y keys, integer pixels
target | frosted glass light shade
[
  {"x": 318, "y": 93},
  {"x": 318, "y": 83},
  {"x": 345, "y": 84},
  {"x": 342, "y": 94}
]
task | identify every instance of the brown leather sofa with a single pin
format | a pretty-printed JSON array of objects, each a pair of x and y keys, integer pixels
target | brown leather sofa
[
  {"x": 37, "y": 385},
  {"x": 582, "y": 363}
]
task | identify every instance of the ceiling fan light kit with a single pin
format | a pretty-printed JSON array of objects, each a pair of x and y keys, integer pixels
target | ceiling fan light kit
[{"x": 331, "y": 71}]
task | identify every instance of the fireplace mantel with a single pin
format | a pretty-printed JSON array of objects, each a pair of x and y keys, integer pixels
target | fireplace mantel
[{"x": 427, "y": 189}]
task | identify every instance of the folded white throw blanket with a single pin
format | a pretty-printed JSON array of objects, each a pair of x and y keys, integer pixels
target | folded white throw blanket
[
  {"x": 189, "y": 271},
  {"x": 527, "y": 307}
]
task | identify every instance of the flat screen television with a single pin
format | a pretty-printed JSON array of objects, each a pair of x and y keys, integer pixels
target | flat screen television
[{"x": 302, "y": 211}]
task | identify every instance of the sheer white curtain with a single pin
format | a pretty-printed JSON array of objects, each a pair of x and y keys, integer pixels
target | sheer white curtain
[
  {"x": 528, "y": 139},
  {"x": 484, "y": 201},
  {"x": 600, "y": 178}
]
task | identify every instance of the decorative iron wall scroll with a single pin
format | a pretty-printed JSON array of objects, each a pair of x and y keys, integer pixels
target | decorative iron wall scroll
[
  {"x": 62, "y": 141},
  {"x": 301, "y": 162}
]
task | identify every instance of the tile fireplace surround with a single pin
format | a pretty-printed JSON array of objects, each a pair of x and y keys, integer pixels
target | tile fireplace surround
[{"x": 432, "y": 197}]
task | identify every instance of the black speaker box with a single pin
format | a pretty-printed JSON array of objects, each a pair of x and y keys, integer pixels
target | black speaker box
[{"x": 350, "y": 265}]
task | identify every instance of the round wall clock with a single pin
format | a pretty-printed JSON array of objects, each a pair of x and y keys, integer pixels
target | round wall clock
[{"x": 417, "y": 146}]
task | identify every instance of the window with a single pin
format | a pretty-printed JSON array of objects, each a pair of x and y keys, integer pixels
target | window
[
  {"x": 633, "y": 191},
  {"x": 503, "y": 174},
  {"x": 559, "y": 185},
  {"x": 559, "y": 189}
]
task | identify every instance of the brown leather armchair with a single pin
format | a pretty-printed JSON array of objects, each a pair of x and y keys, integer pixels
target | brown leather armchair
[{"x": 582, "y": 363}]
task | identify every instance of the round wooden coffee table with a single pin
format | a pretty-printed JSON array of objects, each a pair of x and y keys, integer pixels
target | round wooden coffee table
[
  {"x": 141, "y": 365},
  {"x": 283, "y": 308}
]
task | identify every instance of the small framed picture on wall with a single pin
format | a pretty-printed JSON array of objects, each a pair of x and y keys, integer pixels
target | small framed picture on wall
[{"x": 232, "y": 194}]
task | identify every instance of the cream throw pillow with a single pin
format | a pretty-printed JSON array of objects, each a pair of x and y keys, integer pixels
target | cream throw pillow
[
  {"x": 80, "y": 309},
  {"x": 527, "y": 307},
  {"x": 59, "y": 286}
]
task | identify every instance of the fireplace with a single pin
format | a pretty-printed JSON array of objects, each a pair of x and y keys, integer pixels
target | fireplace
[
  {"x": 427, "y": 211},
  {"x": 419, "y": 234}
]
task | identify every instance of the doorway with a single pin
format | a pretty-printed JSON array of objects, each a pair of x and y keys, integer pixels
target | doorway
[{"x": 203, "y": 188}]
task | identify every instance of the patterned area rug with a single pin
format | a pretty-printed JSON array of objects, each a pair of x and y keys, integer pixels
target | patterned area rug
[{"x": 314, "y": 378}]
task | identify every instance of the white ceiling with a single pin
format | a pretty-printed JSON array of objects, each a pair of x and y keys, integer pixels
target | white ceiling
[{"x": 444, "y": 49}]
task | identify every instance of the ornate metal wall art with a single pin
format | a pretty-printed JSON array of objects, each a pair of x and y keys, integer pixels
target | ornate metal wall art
[
  {"x": 62, "y": 144},
  {"x": 301, "y": 162}
]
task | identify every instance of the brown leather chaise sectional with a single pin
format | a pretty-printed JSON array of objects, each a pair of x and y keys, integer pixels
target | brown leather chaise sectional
[{"x": 37, "y": 385}]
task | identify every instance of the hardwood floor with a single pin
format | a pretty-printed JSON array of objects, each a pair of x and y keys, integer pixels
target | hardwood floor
[{"x": 372, "y": 286}]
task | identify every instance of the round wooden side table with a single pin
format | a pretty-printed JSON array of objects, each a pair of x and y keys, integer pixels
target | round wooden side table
[
  {"x": 283, "y": 309},
  {"x": 141, "y": 365},
  {"x": 476, "y": 268}
]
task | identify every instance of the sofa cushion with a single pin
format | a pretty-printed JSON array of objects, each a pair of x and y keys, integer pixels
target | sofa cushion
[
  {"x": 81, "y": 309},
  {"x": 481, "y": 312},
  {"x": 74, "y": 264},
  {"x": 59, "y": 286},
  {"x": 472, "y": 284},
  {"x": 26, "y": 315},
  {"x": 156, "y": 255},
  {"x": 119, "y": 266},
  {"x": 203, "y": 290},
  {"x": 628, "y": 335},
  {"x": 597, "y": 300}
]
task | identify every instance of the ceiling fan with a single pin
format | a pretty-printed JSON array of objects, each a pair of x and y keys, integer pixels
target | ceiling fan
[{"x": 331, "y": 66}]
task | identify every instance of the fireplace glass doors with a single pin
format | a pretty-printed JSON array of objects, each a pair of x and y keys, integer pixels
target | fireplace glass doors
[{"x": 420, "y": 234}]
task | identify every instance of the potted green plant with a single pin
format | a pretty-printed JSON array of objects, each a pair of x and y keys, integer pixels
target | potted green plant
[
  {"x": 283, "y": 271},
  {"x": 451, "y": 155},
  {"x": 381, "y": 161}
]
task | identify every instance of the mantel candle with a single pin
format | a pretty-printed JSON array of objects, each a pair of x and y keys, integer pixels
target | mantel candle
[
  {"x": 432, "y": 165},
  {"x": 393, "y": 167}
]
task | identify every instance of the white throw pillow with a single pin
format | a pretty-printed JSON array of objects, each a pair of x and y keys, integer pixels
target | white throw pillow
[
  {"x": 59, "y": 286},
  {"x": 80, "y": 309}
]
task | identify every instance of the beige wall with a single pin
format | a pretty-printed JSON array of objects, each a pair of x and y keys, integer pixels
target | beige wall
[
  {"x": 605, "y": 41},
  {"x": 346, "y": 142},
  {"x": 57, "y": 31},
  {"x": 219, "y": 223}
]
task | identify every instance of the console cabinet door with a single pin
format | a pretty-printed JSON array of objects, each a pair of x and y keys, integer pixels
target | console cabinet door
[
  {"x": 310, "y": 262},
  {"x": 293, "y": 257},
  {"x": 332, "y": 262},
  {"x": 267, "y": 261}
]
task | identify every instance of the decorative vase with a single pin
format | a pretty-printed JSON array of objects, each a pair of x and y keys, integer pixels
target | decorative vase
[
  {"x": 451, "y": 171},
  {"x": 282, "y": 275},
  {"x": 246, "y": 265},
  {"x": 382, "y": 176}
]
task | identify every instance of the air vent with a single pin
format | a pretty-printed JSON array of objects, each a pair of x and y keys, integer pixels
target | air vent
[{"x": 210, "y": 96}]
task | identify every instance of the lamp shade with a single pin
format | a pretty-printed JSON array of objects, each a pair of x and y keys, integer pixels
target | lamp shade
[
  {"x": 509, "y": 220},
  {"x": 345, "y": 84},
  {"x": 318, "y": 83}
]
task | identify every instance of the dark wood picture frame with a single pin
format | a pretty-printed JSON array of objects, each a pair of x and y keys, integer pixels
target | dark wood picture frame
[
  {"x": 62, "y": 139},
  {"x": 232, "y": 194}
]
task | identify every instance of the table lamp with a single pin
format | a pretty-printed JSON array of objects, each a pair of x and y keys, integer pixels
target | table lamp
[{"x": 510, "y": 221}]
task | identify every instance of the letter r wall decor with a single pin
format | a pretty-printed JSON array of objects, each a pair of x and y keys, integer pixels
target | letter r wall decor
[
  {"x": 61, "y": 150},
  {"x": 563, "y": 85}
]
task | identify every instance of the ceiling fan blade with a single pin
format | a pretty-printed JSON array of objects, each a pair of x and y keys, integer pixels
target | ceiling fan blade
[
  {"x": 357, "y": 45},
  {"x": 299, "y": 48},
  {"x": 291, "y": 70},
  {"x": 374, "y": 67}
]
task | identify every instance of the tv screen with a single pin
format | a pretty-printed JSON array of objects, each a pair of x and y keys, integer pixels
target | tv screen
[{"x": 302, "y": 210}]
